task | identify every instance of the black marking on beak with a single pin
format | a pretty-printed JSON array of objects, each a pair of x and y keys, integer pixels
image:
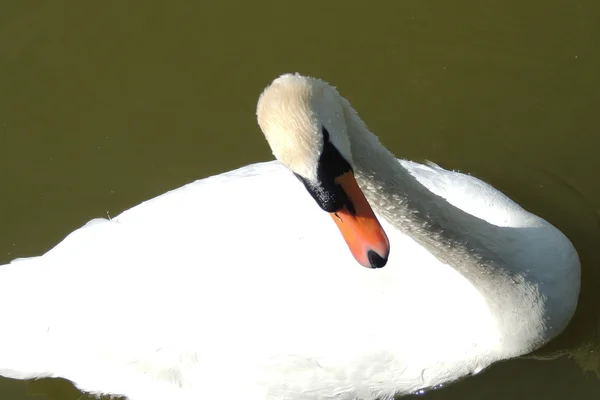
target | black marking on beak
[
  {"x": 328, "y": 194},
  {"x": 376, "y": 260}
]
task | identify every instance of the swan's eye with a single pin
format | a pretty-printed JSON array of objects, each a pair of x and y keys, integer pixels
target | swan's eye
[
  {"x": 326, "y": 191},
  {"x": 331, "y": 161}
]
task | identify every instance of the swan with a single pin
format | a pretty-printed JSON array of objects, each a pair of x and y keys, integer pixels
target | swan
[{"x": 336, "y": 272}]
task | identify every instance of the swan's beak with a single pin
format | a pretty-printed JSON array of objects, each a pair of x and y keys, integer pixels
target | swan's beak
[{"x": 359, "y": 226}]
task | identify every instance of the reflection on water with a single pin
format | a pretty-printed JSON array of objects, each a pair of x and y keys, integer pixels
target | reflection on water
[{"x": 106, "y": 104}]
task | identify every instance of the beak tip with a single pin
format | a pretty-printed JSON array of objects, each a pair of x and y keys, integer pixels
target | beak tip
[{"x": 376, "y": 260}]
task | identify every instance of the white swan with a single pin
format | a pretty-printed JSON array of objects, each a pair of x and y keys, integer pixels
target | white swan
[{"x": 239, "y": 284}]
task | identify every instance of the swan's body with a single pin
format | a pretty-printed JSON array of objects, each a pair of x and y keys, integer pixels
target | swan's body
[{"x": 240, "y": 285}]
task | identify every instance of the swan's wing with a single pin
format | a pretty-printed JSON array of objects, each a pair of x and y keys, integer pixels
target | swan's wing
[{"x": 470, "y": 194}]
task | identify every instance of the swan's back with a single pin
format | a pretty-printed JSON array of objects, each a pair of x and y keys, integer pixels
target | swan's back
[{"x": 217, "y": 285}]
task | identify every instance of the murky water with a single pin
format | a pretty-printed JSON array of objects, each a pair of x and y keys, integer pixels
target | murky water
[{"x": 106, "y": 104}]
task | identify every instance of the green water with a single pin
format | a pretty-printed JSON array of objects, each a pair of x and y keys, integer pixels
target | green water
[{"x": 106, "y": 104}]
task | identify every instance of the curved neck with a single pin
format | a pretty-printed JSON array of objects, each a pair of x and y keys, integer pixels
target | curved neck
[
  {"x": 404, "y": 202},
  {"x": 464, "y": 242}
]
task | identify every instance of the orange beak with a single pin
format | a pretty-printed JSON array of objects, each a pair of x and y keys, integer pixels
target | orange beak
[{"x": 359, "y": 227}]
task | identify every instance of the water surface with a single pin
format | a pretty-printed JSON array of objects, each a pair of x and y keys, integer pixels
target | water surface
[{"x": 106, "y": 104}]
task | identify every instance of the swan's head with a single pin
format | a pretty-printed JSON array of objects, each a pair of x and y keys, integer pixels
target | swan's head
[{"x": 303, "y": 119}]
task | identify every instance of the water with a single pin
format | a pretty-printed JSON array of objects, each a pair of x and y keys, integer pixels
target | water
[{"x": 106, "y": 104}]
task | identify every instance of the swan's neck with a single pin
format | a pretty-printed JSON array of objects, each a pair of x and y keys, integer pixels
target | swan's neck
[
  {"x": 458, "y": 239},
  {"x": 404, "y": 202}
]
